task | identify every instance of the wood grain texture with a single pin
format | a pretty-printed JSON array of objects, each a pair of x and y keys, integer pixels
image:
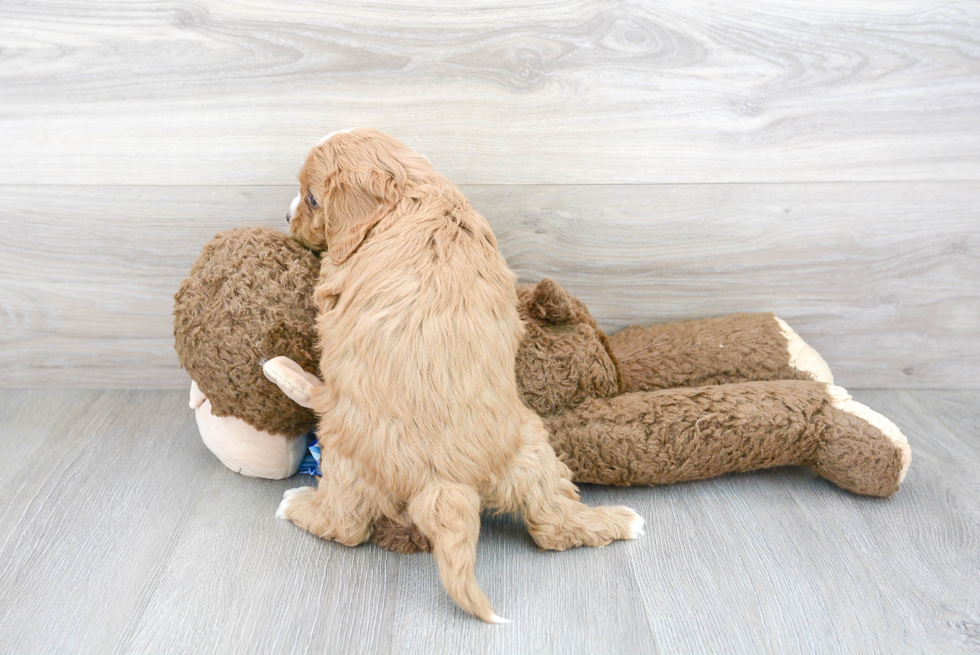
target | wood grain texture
[
  {"x": 218, "y": 92},
  {"x": 959, "y": 411},
  {"x": 93, "y": 514},
  {"x": 120, "y": 533},
  {"x": 882, "y": 279}
]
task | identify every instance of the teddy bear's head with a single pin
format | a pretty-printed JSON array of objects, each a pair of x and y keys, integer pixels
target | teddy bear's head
[
  {"x": 249, "y": 298},
  {"x": 564, "y": 358}
]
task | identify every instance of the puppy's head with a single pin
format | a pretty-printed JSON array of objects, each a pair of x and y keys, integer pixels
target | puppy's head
[{"x": 350, "y": 181}]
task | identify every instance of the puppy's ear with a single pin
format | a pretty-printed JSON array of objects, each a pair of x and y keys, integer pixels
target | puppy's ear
[
  {"x": 552, "y": 303},
  {"x": 363, "y": 189}
]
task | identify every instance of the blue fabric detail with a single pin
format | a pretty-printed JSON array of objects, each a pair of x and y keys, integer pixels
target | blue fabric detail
[{"x": 311, "y": 462}]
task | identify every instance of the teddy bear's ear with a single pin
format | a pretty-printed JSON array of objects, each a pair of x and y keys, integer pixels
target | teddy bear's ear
[{"x": 552, "y": 303}]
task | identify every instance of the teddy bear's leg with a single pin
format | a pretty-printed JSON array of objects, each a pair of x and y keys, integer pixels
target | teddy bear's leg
[
  {"x": 538, "y": 486},
  {"x": 733, "y": 348},
  {"x": 675, "y": 435},
  {"x": 341, "y": 508}
]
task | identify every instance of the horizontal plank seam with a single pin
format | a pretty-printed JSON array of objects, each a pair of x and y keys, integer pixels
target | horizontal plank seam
[{"x": 542, "y": 184}]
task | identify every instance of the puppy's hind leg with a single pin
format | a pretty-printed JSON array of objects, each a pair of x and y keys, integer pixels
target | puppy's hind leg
[
  {"x": 538, "y": 485},
  {"x": 449, "y": 515},
  {"x": 341, "y": 508}
]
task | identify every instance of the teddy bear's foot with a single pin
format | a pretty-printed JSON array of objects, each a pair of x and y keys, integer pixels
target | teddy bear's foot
[
  {"x": 803, "y": 357},
  {"x": 861, "y": 451}
]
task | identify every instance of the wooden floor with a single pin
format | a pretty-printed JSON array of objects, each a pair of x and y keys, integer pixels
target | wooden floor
[{"x": 119, "y": 532}]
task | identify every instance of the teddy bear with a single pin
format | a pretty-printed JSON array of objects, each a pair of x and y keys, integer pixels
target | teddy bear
[
  {"x": 645, "y": 406},
  {"x": 248, "y": 296}
]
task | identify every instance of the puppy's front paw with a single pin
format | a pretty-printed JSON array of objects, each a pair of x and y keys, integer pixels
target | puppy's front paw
[
  {"x": 293, "y": 499},
  {"x": 636, "y": 524}
]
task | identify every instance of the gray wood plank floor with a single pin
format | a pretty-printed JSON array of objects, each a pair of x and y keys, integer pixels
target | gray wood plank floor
[{"x": 120, "y": 533}]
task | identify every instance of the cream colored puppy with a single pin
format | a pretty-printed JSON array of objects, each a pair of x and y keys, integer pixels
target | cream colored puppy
[{"x": 419, "y": 412}]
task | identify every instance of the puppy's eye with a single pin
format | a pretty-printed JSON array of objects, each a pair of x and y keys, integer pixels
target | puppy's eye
[{"x": 311, "y": 200}]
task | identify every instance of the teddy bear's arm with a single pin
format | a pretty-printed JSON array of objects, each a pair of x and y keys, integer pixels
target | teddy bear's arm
[
  {"x": 674, "y": 435},
  {"x": 292, "y": 379},
  {"x": 733, "y": 348}
]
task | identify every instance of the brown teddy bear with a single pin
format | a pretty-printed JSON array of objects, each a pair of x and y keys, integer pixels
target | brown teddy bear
[{"x": 648, "y": 405}]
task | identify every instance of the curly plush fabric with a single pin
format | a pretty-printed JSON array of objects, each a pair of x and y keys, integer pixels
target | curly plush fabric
[
  {"x": 739, "y": 347},
  {"x": 564, "y": 358},
  {"x": 248, "y": 298},
  {"x": 676, "y": 435}
]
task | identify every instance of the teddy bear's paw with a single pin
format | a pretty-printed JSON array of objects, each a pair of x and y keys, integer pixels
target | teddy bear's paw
[{"x": 803, "y": 357}]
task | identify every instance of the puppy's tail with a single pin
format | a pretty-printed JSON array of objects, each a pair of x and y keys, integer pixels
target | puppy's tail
[{"x": 449, "y": 515}]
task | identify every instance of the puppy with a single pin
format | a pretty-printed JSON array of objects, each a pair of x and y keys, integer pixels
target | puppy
[{"x": 419, "y": 412}]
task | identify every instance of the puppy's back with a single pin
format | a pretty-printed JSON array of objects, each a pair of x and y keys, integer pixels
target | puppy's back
[{"x": 419, "y": 344}]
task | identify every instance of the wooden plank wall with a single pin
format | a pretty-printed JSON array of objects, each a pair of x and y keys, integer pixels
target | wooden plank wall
[{"x": 663, "y": 160}]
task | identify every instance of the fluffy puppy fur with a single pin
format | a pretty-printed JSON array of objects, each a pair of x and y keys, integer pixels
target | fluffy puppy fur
[{"x": 420, "y": 418}]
